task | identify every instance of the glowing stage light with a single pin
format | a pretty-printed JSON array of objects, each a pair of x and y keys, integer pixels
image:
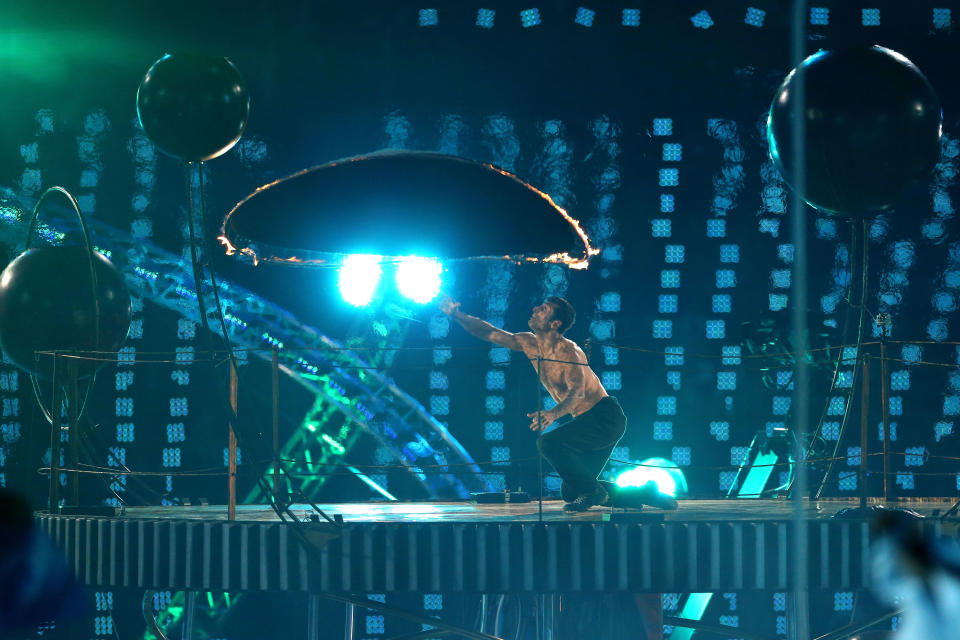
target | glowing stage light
[
  {"x": 359, "y": 276},
  {"x": 419, "y": 278},
  {"x": 665, "y": 474}
]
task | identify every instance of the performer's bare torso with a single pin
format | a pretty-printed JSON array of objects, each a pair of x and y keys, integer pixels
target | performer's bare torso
[{"x": 555, "y": 368}]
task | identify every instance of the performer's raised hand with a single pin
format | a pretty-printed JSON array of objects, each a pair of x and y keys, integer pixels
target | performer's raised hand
[{"x": 448, "y": 306}]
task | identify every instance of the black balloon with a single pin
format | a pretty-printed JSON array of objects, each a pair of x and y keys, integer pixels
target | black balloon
[
  {"x": 872, "y": 128},
  {"x": 47, "y": 304},
  {"x": 193, "y": 107}
]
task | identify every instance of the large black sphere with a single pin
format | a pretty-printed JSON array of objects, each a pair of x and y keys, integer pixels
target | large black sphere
[
  {"x": 47, "y": 303},
  {"x": 193, "y": 107},
  {"x": 872, "y": 128}
]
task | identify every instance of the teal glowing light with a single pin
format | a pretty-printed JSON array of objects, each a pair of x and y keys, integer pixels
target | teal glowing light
[
  {"x": 359, "y": 276},
  {"x": 757, "y": 476},
  {"x": 664, "y": 473},
  {"x": 693, "y": 609},
  {"x": 419, "y": 278}
]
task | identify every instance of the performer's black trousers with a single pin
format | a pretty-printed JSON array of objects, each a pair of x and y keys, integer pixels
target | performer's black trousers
[{"x": 579, "y": 449}]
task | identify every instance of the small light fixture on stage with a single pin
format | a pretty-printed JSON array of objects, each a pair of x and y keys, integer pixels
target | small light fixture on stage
[
  {"x": 359, "y": 277},
  {"x": 664, "y": 473},
  {"x": 419, "y": 278}
]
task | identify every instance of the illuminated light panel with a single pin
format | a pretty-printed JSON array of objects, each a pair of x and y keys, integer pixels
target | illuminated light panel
[
  {"x": 428, "y": 18},
  {"x": 665, "y": 474},
  {"x": 702, "y": 20},
  {"x": 693, "y": 609},
  {"x": 819, "y": 15},
  {"x": 755, "y": 17},
  {"x": 530, "y": 17},
  {"x": 359, "y": 276},
  {"x": 941, "y": 18},
  {"x": 756, "y": 480},
  {"x": 485, "y": 18},
  {"x": 419, "y": 278},
  {"x": 584, "y": 16}
]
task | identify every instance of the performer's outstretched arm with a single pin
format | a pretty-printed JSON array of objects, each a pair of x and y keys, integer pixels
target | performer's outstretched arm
[{"x": 481, "y": 329}]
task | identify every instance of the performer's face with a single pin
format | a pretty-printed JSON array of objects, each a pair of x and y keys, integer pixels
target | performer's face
[{"x": 542, "y": 317}]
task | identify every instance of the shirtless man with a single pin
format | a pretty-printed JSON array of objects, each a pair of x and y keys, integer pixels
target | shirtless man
[{"x": 578, "y": 449}]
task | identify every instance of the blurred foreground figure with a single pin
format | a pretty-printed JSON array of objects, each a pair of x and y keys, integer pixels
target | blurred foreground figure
[
  {"x": 920, "y": 573},
  {"x": 35, "y": 584}
]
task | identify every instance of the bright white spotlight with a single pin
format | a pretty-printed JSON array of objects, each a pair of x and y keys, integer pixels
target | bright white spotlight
[
  {"x": 359, "y": 275},
  {"x": 419, "y": 278}
]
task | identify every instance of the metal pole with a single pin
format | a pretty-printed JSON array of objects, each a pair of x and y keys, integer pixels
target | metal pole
[
  {"x": 313, "y": 616},
  {"x": 232, "y": 450},
  {"x": 798, "y": 623},
  {"x": 483, "y": 613},
  {"x": 56, "y": 411},
  {"x": 348, "y": 623},
  {"x": 189, "y": 608},
  {"x": 864, "y": 427},
  {"x": 73, "y": 431},
  {"x": 548, "y": 615},
  {"x": 276, "y": 421},
  {"x": 540, "y": 456},
  {"x": 885, "y": 409}
]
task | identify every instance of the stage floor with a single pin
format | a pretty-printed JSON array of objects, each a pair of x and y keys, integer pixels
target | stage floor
[
  {"x": 450, "y": 512},
  {"x": 438, "y": 547}
]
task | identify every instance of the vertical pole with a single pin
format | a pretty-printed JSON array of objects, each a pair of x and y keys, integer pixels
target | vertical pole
[
  {"x": 56, "y": 411},
  {"x": 313, "y": 616},
  {"x": 540, "y": 455},
  {"x": 276, "y": 422},
  {"x": 232, "y": 450},
  {"x": 864, "y": 427},
  {"x": 885, "y": 409},
  {"x": 798, "y": 624},
  {"x": 189, "y": 608},
  {"x": 348, "y": 623},
  {"x": 548, "y": 616},
  {"x": 73, "y": 431},
  {"x": 483, "y": 612}
]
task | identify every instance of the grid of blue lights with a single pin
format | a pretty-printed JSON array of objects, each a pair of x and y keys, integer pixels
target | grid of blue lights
[
  {"x": 584, "y": 16},
  {"x": 485, "y": 18},
  {"x": 941, "y": 18},
  {"x": 428, "y": 18},
  {"x": 630, "y": 17},
  {"x": 530, "y": 17},
  {"x": 755, "y": 17},
  {"x": 702, "y": 20}
]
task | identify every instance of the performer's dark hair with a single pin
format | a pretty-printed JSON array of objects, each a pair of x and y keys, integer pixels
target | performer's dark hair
[{"x": 564, "y": 312}]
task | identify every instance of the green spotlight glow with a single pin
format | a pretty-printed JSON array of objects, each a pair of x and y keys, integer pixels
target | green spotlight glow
[
  {"x": 336, "y": 446},
  {"x": 664, "y": 473}
]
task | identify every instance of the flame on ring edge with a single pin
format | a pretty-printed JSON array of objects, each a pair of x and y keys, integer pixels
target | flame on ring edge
[{"x": 555, "y": 258}]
